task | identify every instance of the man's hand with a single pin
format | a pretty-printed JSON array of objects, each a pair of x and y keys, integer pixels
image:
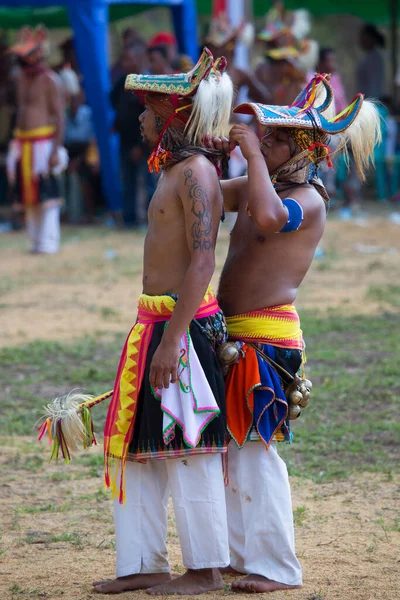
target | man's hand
[
  {"x": 223, "y": 145},
  {"x": 54, "y": 160},
  {"x": 247, "y": 140},
  {"x": 164, "y": 366}
]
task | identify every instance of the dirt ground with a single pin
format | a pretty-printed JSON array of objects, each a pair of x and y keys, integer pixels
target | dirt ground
[
  {"x": 58, "y": 535},
  {"x": 56, "y": 522},
  {"x": 94, "y": 282}
]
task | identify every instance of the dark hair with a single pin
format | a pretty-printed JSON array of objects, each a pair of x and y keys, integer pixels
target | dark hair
[
  {"x": 323, "y": 53},
  {"x": 161, "y": 49},
  {"x": 372, "y": 31}
]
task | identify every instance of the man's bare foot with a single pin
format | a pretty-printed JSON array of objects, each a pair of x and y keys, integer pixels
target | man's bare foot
[
  {"x": 131, "y": 582},
  {"x": 191, "y": 583},
  {"x": 229, "y": 571},
  {"x": 259, "y": 584}
]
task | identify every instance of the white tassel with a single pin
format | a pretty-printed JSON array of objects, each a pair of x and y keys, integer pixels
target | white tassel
[
  {"x": 212, "y": 107},
  {"x": 66, "y": 410}
]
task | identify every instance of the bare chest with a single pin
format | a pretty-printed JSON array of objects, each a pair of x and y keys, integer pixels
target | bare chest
[
  {"x": 165, "y": 207},
  {"x": 33, "y": 92}
]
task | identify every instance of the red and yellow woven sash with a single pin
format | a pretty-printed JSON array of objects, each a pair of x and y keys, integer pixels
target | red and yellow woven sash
[
  {"x": 122, "y": 411},
  {"x": 275, "y": 325},
  {"x": 29, "y": 183}
]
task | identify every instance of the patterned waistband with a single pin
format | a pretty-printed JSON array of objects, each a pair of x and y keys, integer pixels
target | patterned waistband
[
  {"x": 34, "y": 135},
  {"x": 275, "y": 325},
  {"x": 155, "y": 309}
]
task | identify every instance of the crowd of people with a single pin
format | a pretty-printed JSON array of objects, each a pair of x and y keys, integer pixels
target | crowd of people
[{"x": 287, "y": 59}]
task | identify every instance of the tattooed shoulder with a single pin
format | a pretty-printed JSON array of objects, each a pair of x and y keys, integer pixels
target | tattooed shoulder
[{"x": 201, "y": 207}]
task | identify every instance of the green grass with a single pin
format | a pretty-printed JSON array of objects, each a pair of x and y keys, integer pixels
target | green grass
[
  {"x": 390, "y": 294},
  {"x": 350, "y": 424}
]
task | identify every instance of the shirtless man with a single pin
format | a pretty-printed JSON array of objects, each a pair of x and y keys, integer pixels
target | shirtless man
[
  {"x": 281, "y": 207},
  {"x": 166, "y": 426},
  {"x": 35, "y": 156}
]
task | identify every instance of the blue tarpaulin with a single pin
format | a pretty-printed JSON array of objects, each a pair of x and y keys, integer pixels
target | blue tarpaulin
[{"x": 89, "y": 21}]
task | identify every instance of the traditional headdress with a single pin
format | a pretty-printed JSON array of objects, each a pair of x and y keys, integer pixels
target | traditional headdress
[
  {"x": 285, "y": 28},
  {"x": 222, "y": 35},
  {"x": 31, "y": 44},
  {"x": 311, "y": 122},
  {"x": 198, "y": 102}
]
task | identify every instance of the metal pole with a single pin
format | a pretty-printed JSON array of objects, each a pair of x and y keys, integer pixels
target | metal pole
[{"x": 393, "y": 5}]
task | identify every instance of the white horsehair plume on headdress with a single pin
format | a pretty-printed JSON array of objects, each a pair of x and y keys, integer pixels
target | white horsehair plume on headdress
[
  {"x": 65, "y": 409},
  {"x": 301, "y": 23},
  {"x": 247, "y": 35},
  {"x": 361, "y": 137},
  {"x": 212, "y": 105},
  {"x": 70, "y": 81}
]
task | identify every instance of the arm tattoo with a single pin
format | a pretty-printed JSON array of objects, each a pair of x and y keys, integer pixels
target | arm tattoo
[{"x": 201, "y": 229}]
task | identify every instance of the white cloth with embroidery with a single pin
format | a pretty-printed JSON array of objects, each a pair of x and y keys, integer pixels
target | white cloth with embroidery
[{"x": 189, "y": 402}]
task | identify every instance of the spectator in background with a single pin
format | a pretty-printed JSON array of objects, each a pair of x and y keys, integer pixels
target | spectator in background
[
  {"x": 159, "y": 61},
  {"x": 7, "y": 116},
  {"x": 371, "y": 68},
  {"x": 179, "y": 63},
  {"x": 129, "y": 37},
  {"x": 328, "y": 64},
  {"x": 133, "y": 154}
]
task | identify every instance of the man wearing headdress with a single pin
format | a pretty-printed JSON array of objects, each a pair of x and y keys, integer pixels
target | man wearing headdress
[
  {"x": 222, "y": 40},
  {"x": 288, "y": 54},
  {"x": 36, "y": 157},
  {"x": 165, "y": 429},
  {"x": 281, "y": 207}
]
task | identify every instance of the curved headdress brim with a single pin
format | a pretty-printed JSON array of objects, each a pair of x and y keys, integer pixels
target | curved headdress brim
[
  {"x": 181, "y": 84},
  {"x": 300, "y": 117}
]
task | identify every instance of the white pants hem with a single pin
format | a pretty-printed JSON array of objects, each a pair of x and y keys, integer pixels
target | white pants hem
[
  {"x": 135, "y": 570},
  {"x": 211, "y": 565}
]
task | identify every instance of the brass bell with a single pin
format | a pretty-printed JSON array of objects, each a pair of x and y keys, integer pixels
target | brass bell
[
  {"x": 294, "y": 412},
  {"x": 295, "y": 397},
  {"x": 304, "y": 402},
  {"x": 308, "y": 384},
  {"x": 302, "y": 388},
  {"x": 307, "y": 395},
  {"x": 228, "y": 353}
]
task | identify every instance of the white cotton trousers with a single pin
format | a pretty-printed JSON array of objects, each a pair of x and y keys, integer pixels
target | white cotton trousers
[
  {"x": 260, "y": 517},
  {"x": 197, "y": 487},
  {"x": 43, "y": 226}
]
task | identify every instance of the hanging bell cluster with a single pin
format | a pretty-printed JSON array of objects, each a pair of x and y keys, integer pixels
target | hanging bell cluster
[
  {"x": 228, "y": 354},
  {"x": 299, "y": 398}
]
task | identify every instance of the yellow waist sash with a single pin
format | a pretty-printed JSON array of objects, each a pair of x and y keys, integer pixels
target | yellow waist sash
[{"x": 275, "y": 325}]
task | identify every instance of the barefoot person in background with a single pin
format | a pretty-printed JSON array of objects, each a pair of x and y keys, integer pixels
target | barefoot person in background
[
  {"x": 36, "y": 157},
  {"x": 281, "y": 207},
  {"x": 166, "y": 430}
]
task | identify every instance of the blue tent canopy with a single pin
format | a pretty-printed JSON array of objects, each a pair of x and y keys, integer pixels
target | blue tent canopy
[{"x": 89, "y": 21}]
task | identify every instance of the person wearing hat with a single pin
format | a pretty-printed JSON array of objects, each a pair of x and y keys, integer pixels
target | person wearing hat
[
  {"x": 165, "y": 429},
  {"x": 282, "y": 206},
  {"x": 222, "y": 40},
  {"x": 36, "y": 156}
]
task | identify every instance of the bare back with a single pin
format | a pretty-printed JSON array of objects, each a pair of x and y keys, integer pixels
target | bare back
[
  {"x": 167, "y": 254},
  {"x": 35, "y": 100},
  {"x": 267, "y": 269}
]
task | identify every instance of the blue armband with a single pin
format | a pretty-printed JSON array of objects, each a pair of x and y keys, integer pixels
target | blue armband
[{"x": 295, "y": 217}]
